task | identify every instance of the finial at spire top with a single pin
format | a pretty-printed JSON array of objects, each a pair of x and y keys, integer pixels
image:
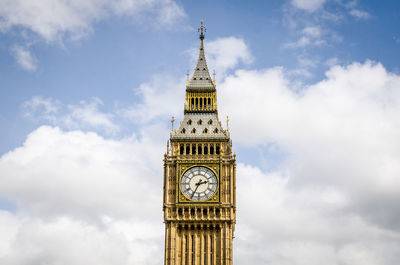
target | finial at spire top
[{"x": 202, "y": 29}]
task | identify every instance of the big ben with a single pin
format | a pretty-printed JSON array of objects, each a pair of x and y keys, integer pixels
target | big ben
[{"x": 199, "y": 200}]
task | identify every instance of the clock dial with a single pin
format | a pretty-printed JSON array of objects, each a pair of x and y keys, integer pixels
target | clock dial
[{"x": 199, "y": 183}]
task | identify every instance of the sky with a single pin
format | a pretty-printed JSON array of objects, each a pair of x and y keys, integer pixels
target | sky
[{"x": 88, "y": 89}]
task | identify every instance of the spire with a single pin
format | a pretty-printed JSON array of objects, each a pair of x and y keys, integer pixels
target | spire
[
  {"x": 200, "y": 119},
  {"x": 201, "y": 76}
]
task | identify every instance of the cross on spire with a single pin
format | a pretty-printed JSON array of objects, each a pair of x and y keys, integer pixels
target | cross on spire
[{"x": 202, "y": 29}]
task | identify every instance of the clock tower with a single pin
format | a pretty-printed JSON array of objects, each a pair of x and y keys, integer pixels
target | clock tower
[{"x": 199, "y": 201}]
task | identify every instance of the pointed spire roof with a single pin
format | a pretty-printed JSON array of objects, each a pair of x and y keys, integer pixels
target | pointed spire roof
[{"x": 201, "y": 76}]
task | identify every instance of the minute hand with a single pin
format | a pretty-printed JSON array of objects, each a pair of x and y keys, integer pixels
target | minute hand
[{"x": 197, "y": 185}]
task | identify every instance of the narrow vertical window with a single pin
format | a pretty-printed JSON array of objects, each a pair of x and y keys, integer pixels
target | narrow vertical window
[
  {"x": 199, "y": 149},
  {"x": 206, "y": 150},
  {"x": 217, "y": 150},
  {"x": 187, "y": 149},
  {"x": 205, "y": 249},
  {"x": 182, "y": 148},
  {"x": 211, "y": 149},
  {"x": 212, "y": 250},
  {"x": 193, "y": 149},
  {"x": 182, "y": 250},
  {"x": 192, "y": 103},
  {"x": 193, "y": 246},
  {"x": 197, "y": 103},
  {"x": 186, "y": 250}
]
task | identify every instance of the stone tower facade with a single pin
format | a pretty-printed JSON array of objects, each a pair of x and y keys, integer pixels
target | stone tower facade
[{"x": 199, "y": 201}]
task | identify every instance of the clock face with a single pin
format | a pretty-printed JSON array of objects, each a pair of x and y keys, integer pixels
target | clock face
[{"x": 199, "y": 183}]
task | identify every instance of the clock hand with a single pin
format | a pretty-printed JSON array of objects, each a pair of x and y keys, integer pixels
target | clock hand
[{"x": 197, "y": 185}]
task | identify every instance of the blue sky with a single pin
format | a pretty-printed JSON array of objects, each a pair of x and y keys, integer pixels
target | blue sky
[
  {"x": 119, "y": 53},
  {"x": 88, "y": 88}
]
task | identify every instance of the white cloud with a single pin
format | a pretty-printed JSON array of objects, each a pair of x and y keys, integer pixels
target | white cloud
[
  {"x": 312, "y": 31},
  {"x": 53, "y": 19},
  {"x": 85, "y": 115},
  {"x": 302, "y": 42},
  {"x": 341, "y": 132},
  {"x": 360, "y": 14},
  {"x": 224, "y": 54},
  {"x": 308, "y": 5},
  {"x": 332, "y": 61},
  {"x": 82, "y": 174},
  {"x": 88, "y": 114},
  {"x": 63, "y": 240},
  {"x": 24, "y": 58},
  {"x": 281, "y": 224},
  {"x": 83, "y": 199},
  {"x": 163, "y": 97},
  {"x": 309, "y": 36},
  {"x": 57, "y": 20},
  {"x": 46, "y": 108}
]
